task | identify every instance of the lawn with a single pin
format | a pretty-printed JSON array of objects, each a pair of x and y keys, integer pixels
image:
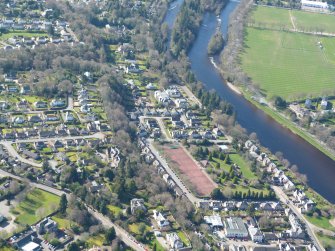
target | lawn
[
  {"x": 183, "y": 238},
  {"x": 306, "y": 21},
  {"x": 278, "y": 18},
  {"x": 4, "y": 36},
  {"x": 114, "y": 209},
  {"x": 270, "y": 18},
  {"x": 62, "y": 223},
  {"x": 322, "y": 222},
  {"x": 290, "y": 65},
  {"x": 238, "y": 160},
  {"x": 96, "y": 240},
  {"x": 327, "y": 241},
  {"x": 244, "y": 167},
  {"x": 36, "y": 206}
]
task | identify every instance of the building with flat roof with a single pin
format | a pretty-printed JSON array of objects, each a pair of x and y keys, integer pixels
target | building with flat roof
[
  {"x": 214, "y": 221},
  {"x": 235, "y": 228},
  {"x": 31, "y": 246},
  {"x": 314, "y": 4}
]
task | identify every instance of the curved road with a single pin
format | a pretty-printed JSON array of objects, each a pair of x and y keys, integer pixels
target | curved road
[{"x": 120, "y": 232}]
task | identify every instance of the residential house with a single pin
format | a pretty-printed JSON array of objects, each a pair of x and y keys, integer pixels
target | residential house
[
  {"x": 57, "y": 103},
  {"x": 40, "y": 105},
  {"x": 95, "y": 187},
  {"x": 46, "y": 226},
  {"x": 32, "y": 155},
  {"x": 255, "y": 234},
  {"x": 22, "y": 105},
  {"x": 25, "y": 89},
  {"x": 161, "y": 221},
  {"x": 137, "y": 204},
  {"x": 181, "y": 103},
  {"x": 174, "y": 241}
]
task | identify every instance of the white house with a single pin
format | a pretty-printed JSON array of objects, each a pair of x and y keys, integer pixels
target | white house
[
  {"x": 160, "y": 219},
  {"x": 255, "y": 234},
  {"x": 174, "y": 241}
]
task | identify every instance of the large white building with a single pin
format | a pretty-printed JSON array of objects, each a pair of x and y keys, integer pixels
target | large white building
[
  {"x": 314, "y": 4},
  {"x": 235, "y": 228}
]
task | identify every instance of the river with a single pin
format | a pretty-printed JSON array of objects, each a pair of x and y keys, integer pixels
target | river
[{"x": 319, "y": 168}]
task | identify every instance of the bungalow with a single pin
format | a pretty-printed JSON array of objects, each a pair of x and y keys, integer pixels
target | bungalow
[
  {"x": 266, "y": 206},
  {"x": 40, "y": 104},
  {"x": 39, "y": 145},
  {"x": 57, "y": 144},
  {"x": 20, "y": 135},
  {"x": 22, "y": 105},
  {"x": 35, "y": 119},
  {"x": 51, "y": 117},
  {"x": 178, "y": 124},
  {"x": 73, "y": 132},
  {"x": 18, "y": 120},
  {"x": 207, "y": 135},
  {"x": 46, "y": 134},
  {"x": 195, "y": 135},
  {"x": 12, "y": 89},
  {"x": 57, "y": 103},
  {"x": 194, "y": 123},
  {"x": 242, "y": 205},
  {"x": 9, "y": 135},
  {"x": 69, "y": 117},
  {"x": 25, "y": 89},
  {"x": 32, "y": 155},
  {"x": 217, "y": 132}
]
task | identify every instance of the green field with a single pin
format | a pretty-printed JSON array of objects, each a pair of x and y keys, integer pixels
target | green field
[
  {"x": 4, "y": 36},
  {"x": 290, "y": 65},
  {"x": 309, "y": 21},
  {"x": 36, "y": 206},
  {"x": 279, "y": 18},
  {"x": 270, "y": 17},
  {"x": 327, "y": 241}
]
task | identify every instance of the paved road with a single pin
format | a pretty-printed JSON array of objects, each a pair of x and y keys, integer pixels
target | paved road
[
  {"x": 98, "y": 135},
  {"x": 173, "y": 175},
  {"x": 309, "y": 227},
  {"x": 121, "y": 233},
  {"x": 15, "y": 154},
  {"x": 190, "y": 95}
]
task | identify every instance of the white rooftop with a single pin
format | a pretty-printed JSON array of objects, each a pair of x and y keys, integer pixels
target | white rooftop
[{"x": 31, "y": 246}]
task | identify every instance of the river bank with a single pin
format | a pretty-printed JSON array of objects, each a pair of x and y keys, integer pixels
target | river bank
[
  {"x": 317, "y": 166},
  {"x": 220, "y": 65}
]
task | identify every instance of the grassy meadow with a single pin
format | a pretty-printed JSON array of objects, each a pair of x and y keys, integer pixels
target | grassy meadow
[
  {"x": 289, "y": 64},
  {"x": 36, "y": 205}
]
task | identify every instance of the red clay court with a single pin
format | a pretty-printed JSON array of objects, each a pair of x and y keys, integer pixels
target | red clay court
[{"x": 202, "y": 183}]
